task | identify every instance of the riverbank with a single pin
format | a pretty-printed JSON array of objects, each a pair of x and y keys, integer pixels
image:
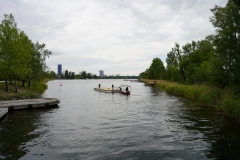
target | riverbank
[
  {"x": 223, "y": 100},
  {"x": 34, "y": 91}
]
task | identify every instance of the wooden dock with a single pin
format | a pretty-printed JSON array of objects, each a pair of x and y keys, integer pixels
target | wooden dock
[
  {"x": 3, "y": 111},
  {"x": 28, "y": 103},
  {"x": 107, "y": 90}
]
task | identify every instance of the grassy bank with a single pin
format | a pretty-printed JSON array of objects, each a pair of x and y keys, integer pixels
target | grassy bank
[
  {"x": 34, "y": 91},
  {"x": 223, "y": 99}
]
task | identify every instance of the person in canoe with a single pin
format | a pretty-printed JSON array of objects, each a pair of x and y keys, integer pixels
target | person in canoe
[{"x": 127, "y": 91}]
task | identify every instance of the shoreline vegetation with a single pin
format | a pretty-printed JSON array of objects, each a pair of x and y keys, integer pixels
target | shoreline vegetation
[
  {"x": 34, "y": 91},
  {"x": 208, "y": 70},
  {"x": 224, "y": 100},
  {"x": 22, "y": 62}
]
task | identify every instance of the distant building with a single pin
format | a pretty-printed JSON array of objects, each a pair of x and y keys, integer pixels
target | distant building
[
  {"x": 59, "y": 69},
  {"x": 101, "y": 73}
]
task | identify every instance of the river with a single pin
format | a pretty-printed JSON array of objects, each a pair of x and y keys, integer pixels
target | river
[{"x": 87, "y": 124}]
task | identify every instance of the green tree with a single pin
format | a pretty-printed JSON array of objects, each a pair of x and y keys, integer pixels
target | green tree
[
  {"x": 38, "y": 63},
  {"x": 172, "y": 72},
  {"x": 175, "y": 65},
  {"x": 184, "y": 62},
  {"x": 192, "y": 60},
  {"x": 237, "y": 2},
  {"x": 73, "y": 75},
  {"x": 14, "y": 50},
  {"x": 157, "y": 69},
  {"x": 66, "y": 74},
  {"x": 50, "y": 74},
  {"x": 178, "y": 54},
  {"x": 84, "y": 74},
  {"x": 95, "y": 76},
  {"x": 89, "y": 76},
  {"x": 227, "y": 43}
]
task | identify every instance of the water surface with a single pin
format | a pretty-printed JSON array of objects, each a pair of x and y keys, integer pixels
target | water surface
[{"x": 87, "y": 124}]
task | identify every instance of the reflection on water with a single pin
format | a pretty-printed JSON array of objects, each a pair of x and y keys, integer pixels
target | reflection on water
[
  {"x": 148, "y": 124},
  {"x": 18, "y": 128}
]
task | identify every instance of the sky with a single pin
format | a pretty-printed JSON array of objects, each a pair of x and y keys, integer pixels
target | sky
[{"x": 116, "y": 36}]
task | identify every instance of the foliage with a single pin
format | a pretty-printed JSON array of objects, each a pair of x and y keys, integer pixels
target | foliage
[
  {"x": 66, "y": 74},
  {"x": 84, "y": 74},
  {"x": 237, "y": 2},
  {"x": 156, "y": 70},
  {"x": 20, "y": 59},
  {"x": 214, "y": 60},
  {"x": 14, "y": 50},
  {"x": 227, "y": 43},
  {"x": 39, "y": 87},
  {"x": 208, "y": 70},
  {"x": 38, "y": 63}
]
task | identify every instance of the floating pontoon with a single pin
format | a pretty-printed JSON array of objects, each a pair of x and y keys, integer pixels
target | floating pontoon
[{"x": 107, "y": 90}]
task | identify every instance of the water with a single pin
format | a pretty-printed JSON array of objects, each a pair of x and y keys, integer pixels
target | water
[{"x": 87, "y": 124}]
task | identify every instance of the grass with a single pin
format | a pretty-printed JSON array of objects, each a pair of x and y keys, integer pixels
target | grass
[
  {"x": 223, "y": 99},
  {"x": 34, "y": 91}
]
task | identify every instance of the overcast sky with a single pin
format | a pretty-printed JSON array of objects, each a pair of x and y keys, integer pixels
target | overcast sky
[{"x": 117, "y": 36}]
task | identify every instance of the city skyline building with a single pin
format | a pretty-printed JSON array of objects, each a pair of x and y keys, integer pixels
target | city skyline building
[
  {"x": 59, "y": 69},
  {"x": 101, "y": 73}
]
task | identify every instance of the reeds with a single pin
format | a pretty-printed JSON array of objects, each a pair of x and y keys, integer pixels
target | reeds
[{"x": 223, "y": 99}]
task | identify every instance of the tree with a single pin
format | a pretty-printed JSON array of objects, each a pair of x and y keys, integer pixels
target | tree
[
  {"x": 84, "y": 74},
  {"x": 89, "y": 76},
  {"x": 237, "y": 2},
  {"x": 66, "y": 74},
  {"x": 175, "y": 64},
  {"x": 193, "y": 59},
  {"x": 189, "y": 48},
  {"x": 144, "y": 74},
  {"x": 227, "y": 43},
  {"x": 157, "y": 69},
  {"x": 178, "y": 54},
  {"x": 183, "y": 63},
  {"x": 72, "y": 75},
  {"x": 69, "y": 75},
  {"x": 38, "y": 63},
  {"x": 172, "y": 72},
  {"x": 14, "y": 50},
  {"x": 50, "y": 74}
]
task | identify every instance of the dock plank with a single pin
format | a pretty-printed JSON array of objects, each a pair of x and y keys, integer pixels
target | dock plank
[
  {"x": 3, "y": 111},
  {"x": 28, "y": 103},
  {"x": 107, "y": 90}
]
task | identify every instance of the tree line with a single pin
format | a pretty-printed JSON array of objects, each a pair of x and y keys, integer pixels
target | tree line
[
  {"x": 71, "y": 75},
  {"x": 84, "y": 75},
  {"x": 214, "y": 60},
  {"x": 20, "y": 58}
]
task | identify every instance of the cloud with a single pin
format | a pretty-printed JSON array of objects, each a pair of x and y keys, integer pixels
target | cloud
[{"x": 117, "y": 36}]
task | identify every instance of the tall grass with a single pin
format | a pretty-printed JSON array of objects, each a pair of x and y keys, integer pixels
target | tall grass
[
  {"x": 40, "y": 87},
  {"x": 230, "y": 104},
  {"x": 223, "y": 99}
]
